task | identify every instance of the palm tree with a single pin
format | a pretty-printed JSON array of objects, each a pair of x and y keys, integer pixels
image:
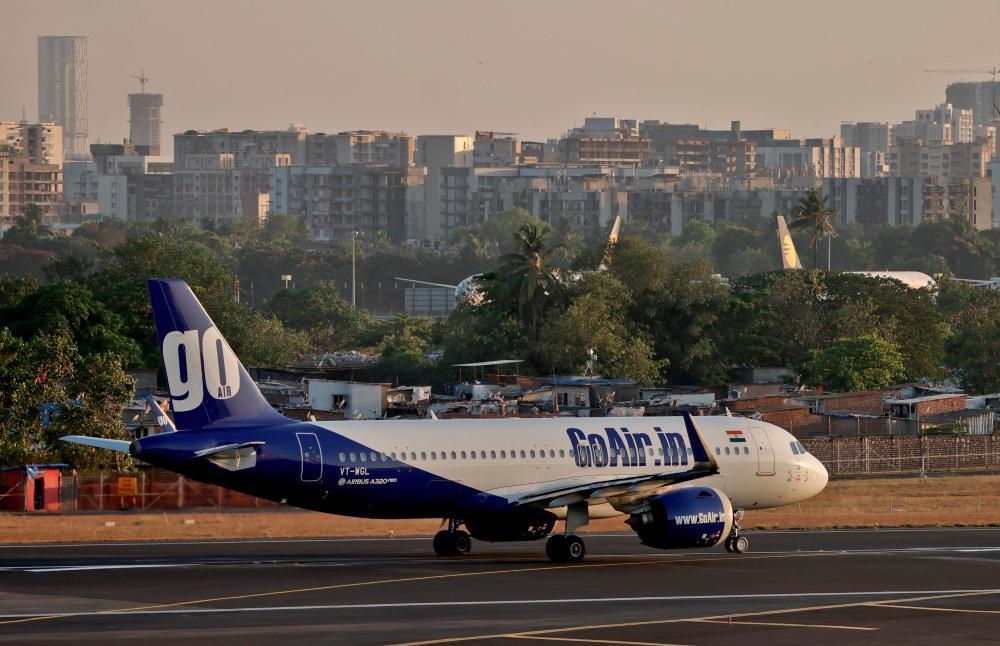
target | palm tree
[
  {"x": 525, "y": 273},
  {"x": 813, "y": 214}
]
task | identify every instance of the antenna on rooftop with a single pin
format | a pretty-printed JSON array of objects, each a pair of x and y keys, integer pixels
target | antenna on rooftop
[{"x": 143, "y": 79}]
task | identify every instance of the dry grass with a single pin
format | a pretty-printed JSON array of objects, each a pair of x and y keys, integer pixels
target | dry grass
[{"x": 961, "y": 500}]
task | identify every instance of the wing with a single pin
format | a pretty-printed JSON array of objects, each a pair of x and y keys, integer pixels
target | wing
[
  {"x": 99, "y": 442},
  {"x": 704, "y": 466}
]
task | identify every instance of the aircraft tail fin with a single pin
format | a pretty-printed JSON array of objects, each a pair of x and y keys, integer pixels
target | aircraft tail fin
[
  {"x": 208, "y": 384},
  {"x": 789, "y": 256}
]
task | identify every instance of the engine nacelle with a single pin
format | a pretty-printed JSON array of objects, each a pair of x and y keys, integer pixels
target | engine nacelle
[
  {"x": 684, "y": 518},
  {"x": 522, "y": 525}
]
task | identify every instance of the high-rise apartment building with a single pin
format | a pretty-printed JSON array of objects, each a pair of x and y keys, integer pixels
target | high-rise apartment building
[
  {"x": 145, "y": 119},
  {"x": 373, "y": 147},
  {"x": 42, "y": 143},
  {"x": 980, "y": 97},
  {"x": 62, "y": 89}
]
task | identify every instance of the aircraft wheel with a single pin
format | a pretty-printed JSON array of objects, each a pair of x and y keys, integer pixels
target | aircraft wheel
[
  {"x": 729, "y": 545},
  {"x": 554, "y": 548},
  {"x": 741, "y": 544},
  {"x": 574, "y": 549},
  {"x": 461, "y": 543},
  {"x": 442, "y": 544}
]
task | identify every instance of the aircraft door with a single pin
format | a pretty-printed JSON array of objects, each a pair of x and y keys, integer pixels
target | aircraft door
[
  {"x": 312, "y": 457},
  {"x": 765, "y": 454}
]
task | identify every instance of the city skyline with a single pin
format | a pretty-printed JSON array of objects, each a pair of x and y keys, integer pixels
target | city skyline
[{"x": 536, "y": 70}]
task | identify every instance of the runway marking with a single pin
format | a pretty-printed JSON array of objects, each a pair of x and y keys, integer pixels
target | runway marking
[
  {"x": 496, "y": 602},
  {"x": 774, "y": 623},
  {"x": 136, "y": 566},
  {"x": 972, "y": 610},
  {"x": 589, "y": 641},
  {"x": 358, "y": 584},
  {"x": 946, "y": 595},
  {"x": 366, "y": 539}
]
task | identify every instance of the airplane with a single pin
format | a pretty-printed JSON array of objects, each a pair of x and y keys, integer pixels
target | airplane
[
  {"x": 681, "y": 483},
  {"x": 790, "y": 260},
  {"x": 468, "y": 290}
]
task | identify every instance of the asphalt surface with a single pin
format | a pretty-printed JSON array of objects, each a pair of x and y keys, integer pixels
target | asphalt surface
[{"x": 881, "y": 586}]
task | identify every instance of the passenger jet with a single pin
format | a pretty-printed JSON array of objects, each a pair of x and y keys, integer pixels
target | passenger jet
[{"x": 681, "y": 483}]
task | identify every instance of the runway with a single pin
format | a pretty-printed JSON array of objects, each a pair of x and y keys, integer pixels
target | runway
[{"x": 865, "y": 586}]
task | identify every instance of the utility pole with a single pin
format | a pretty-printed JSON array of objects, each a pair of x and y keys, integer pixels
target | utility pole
[{"x": 354, "y": 284}]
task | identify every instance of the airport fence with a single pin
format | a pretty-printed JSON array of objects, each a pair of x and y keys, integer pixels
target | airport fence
[
  {"x": 148, "y": 490},
  {"x": 886, "y": 455}
]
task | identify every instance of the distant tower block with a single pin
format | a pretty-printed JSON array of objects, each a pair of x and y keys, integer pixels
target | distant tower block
[
  {"x": 145, "y": 120},
  {"x": 62, "y": 89}
]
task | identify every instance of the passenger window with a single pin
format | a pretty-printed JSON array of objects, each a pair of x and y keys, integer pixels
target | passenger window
[
  {"x": 552, "y": 453},
  {"x": 364, "y": 457},
  {"x": 522, "y": 454},
  {"x": 413, "y": 455},
  {"x": 493, "y": 455},
  {"x": 562, "y": 453},
  {"x": 423, "y": 455},
  {"x": 434, "y": 455},
  {"x": 354, "y": 457},
  {"x": 482, "y": 454},
  {"x": 393, "y": 456},
  {"x": 453, "y": 456},
  {"x": 718, "y": 451},
  {"x": 472, "y": 454},
  {"x": 463, "y": 455},
  {"x": 746, "y": 450},
  {"x": 503, "y": 455},
  {"x": 343, "y": 458},
  {"x": 532, "y": 453},
  {"x": 727, "y": 450},
  {"x": 661, "y": 451},
  {"x": 374, "y": 456},
  {"x": 444, "y": 455}
]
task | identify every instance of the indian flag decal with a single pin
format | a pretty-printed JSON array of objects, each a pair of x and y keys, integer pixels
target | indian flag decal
[{"x": 736, "y": 436}]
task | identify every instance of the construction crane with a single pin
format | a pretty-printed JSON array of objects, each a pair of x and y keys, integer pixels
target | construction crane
[
  {"x": 143, "y": 79},
  {"x": 992, "y": 72}
]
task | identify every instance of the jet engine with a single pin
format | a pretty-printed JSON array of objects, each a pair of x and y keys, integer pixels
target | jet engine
[
  {"x": 520, "y": 525},
  {"x": 684, "y": 518}
]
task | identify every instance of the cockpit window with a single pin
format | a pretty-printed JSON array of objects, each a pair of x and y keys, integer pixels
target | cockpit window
[
  {"x": 802, "y": 449},
  {"x": 795, "y": 447}
]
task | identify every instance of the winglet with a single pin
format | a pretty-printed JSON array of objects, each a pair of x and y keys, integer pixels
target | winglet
[{"x": 698, "y": 449}]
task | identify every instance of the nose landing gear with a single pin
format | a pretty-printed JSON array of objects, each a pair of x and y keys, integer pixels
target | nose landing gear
[{"x": 737, "y": 543}]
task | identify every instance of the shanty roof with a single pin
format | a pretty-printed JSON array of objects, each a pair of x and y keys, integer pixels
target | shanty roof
[{"x": 482, "y": 364}]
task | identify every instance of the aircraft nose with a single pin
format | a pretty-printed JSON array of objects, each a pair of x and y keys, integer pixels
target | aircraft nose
[{"x": 822, "y": 476}]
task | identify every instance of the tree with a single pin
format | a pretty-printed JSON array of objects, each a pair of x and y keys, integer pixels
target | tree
[
  {"x": 860, "y": 363},
  {"x": 593, "y": 323},
  {"x": 29, "y": 228},
  {"x": 32, "y": 373},
  {"x": 526, "y": 275},
  {"x": 812, "y": 214},
  {"x": 322, "y": 313}
]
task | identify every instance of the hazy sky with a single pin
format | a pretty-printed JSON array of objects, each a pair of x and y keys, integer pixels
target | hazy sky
[{"x": 535, "y": 67}]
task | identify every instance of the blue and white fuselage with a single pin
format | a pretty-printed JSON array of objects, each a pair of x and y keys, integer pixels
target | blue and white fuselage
[{"x": 678, "y": 479}]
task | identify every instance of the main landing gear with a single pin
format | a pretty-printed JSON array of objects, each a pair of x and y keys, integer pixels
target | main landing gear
[
  {"x": 737, "y": 543},
  {"x": 452, "y": 541},
  {"x": 565, "y": 549}
]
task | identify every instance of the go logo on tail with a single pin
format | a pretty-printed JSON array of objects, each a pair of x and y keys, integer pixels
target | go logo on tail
[{"x": 221, "y": 372}]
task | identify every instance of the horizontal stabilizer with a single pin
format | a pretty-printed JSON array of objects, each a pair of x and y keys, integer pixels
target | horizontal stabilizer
[
  {"x": 225, "y": 447},
  {"x": 98, "y": 442}
]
